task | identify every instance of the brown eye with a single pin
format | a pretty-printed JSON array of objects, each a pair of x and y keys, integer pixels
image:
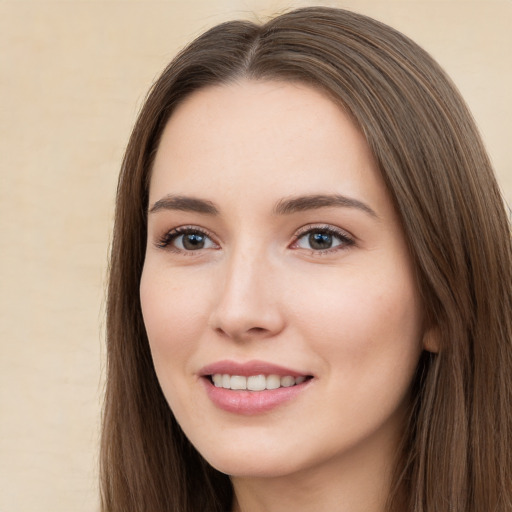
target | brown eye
[
  {"x": 323, "y": 239},
  {"x": 186, "y": 240},
  {"x": 320, "y": 240},
  {"x": 191, "y": 241}
]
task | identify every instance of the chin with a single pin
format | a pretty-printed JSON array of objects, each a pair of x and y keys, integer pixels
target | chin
[{"x": 252, "y": 463}]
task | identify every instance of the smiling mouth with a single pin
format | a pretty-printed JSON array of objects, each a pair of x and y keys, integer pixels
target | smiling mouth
[
  {"x": 253, "y": 387},
  {"x": 255, "y": 382}
]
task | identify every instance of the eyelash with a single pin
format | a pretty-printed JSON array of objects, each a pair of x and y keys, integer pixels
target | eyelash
[
  {"x": 346, "y": 240},
  {"x": 166, "y": 241}
]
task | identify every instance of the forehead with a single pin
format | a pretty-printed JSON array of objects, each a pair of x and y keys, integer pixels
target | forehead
[{"x": 266, "y": 137}]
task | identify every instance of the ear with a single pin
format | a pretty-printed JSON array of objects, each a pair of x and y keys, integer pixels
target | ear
[{"x": 431, "y": 339}]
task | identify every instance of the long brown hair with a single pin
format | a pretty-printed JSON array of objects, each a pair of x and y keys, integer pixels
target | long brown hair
[{"x": 457, "y": 445}]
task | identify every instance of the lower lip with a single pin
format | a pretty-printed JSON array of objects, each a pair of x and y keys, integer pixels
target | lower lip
[{"x": 251, "y": 402}]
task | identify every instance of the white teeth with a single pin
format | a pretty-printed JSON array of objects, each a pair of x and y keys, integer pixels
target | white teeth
[
  {"x": 287, "y": 381},
  {"x": 255, "y": 382},
  {"x": 273, "y": 382},
  {"x": 238, "y": 382}
]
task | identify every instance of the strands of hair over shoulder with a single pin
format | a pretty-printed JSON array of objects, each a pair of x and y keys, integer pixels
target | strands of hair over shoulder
[{"x": 456, "y": 452}]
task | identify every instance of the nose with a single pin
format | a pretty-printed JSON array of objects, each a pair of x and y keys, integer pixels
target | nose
[{"x": 247, "y": 305}]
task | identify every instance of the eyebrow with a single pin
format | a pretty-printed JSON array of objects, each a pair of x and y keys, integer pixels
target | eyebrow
[
  {"x": 186, "y": 204},
  {"x": 314, "y": 202},
  {"x": 283, "y": 207}
]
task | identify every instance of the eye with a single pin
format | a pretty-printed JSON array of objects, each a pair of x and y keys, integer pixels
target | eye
[
  {"x": 186, "y": 240},
  {"x": 321, "y": 239}
]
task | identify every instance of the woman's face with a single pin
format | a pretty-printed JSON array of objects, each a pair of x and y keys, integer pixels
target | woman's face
[{"x": 274, "y": 249}]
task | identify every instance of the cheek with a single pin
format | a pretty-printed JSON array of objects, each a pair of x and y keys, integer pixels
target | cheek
[
  {"x": 369, "y": 340},
  {"x": 366, "y": 325},
  {"x": 173, "y": 313}
]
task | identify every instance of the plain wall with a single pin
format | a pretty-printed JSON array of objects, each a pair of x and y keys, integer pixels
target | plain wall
[{"x": 73, "y": 75}]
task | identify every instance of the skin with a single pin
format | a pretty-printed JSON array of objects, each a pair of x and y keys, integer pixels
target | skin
[{"x": 350, "y": 316}]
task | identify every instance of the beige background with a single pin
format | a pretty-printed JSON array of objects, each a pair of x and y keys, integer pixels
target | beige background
[{"x": 72, "y": 77}]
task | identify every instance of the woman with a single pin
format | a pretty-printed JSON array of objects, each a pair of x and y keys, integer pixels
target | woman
[{"x": 310, "y": 286}]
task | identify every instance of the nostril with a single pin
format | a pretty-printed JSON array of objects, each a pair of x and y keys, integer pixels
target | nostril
[
  {"x": 251, "y": 332},
  {"x": 256, "y": 330}
]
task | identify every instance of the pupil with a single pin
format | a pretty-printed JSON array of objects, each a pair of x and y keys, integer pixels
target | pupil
[
  {"x": 193, "y": 241},
  {"x": 320, "y": 240}
]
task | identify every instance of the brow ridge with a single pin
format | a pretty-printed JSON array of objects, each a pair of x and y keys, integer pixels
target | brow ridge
[
  {"x": 184, "y": 203},
  {"x": 285, "y": 206},
  {"x": 313, "y": 202}
]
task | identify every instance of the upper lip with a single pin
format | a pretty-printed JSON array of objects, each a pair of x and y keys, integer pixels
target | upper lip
[{"x": 248, "y": 368}]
